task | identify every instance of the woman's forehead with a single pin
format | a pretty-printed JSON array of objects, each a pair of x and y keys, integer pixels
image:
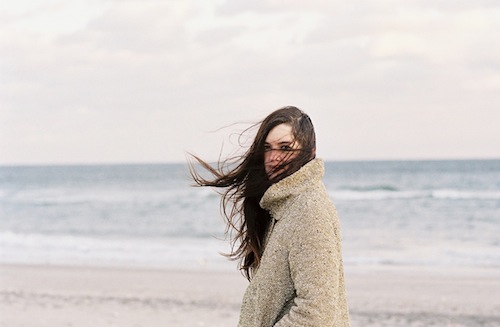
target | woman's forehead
[{"x": 280, "y": 133}]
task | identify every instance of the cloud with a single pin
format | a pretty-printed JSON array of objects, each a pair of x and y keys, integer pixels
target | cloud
[{"x": 127, "y": 72}]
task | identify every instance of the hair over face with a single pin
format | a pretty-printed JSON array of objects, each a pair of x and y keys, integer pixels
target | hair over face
[{"x": 246, "y": 181}]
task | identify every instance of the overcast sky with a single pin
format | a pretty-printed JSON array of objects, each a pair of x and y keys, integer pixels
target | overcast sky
[{"x": 95, "y": 81}]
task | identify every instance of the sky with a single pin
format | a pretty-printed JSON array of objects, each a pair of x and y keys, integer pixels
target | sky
[{"x": 140, "y": 81}]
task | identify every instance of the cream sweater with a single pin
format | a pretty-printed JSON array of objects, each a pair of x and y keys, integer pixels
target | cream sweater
[{"x": 300, "y": 280}]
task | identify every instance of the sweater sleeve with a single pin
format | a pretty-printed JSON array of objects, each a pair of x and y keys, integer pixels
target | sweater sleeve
[{"x": 315, "y": 264}]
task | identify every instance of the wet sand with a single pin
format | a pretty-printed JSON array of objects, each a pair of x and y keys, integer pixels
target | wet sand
[{"x": 96, "y": 296}]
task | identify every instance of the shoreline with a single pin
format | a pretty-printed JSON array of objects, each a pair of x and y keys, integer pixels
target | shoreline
[{"x": 38, "y": 295}]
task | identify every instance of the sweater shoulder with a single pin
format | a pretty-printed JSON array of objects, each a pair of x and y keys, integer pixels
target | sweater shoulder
[{"x": 313, "y": 206}]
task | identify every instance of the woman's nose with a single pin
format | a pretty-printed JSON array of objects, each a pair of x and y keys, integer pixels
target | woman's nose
[{"x": 275, "y": 155}]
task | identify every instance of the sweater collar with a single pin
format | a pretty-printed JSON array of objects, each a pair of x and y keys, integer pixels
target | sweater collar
[{"x": 296, "y": 183}]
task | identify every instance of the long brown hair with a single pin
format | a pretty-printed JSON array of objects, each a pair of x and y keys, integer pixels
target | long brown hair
[{"x": 244, "y": 181}]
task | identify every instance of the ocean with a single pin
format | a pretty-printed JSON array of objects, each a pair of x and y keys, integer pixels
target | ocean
[{"x": 420, "y": 213}]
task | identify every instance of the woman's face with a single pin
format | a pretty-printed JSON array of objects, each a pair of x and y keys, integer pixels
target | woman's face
[{"x": 279, "y": 148}]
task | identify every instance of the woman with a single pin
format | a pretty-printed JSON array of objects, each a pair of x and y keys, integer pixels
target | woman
[{"x": 287, "y": 234}]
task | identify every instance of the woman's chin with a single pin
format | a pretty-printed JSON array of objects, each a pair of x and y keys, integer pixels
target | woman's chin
[{"x": 273, "y": 174}]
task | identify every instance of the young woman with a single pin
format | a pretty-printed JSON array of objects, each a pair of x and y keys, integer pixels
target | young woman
[{"x": 287, "y": 234}]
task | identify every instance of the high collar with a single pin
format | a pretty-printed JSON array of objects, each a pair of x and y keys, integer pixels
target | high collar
[{"x": 296, "y": 183}]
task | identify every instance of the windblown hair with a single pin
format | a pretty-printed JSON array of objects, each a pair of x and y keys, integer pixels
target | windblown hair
[{"x": 244, "y": 181}]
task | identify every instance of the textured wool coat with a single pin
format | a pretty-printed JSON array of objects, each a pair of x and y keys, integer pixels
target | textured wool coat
[{"x": 300, "y": 280}]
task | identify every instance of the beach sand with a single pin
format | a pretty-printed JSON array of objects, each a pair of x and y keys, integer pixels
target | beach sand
[{"x": 378, "y": 296}]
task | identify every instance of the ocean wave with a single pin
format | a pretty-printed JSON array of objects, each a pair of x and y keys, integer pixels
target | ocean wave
[
  {"x": 82, "y": 250},
  {"x": 187, "y": 252},
  {"x": 464, "y": 194},
  {"x": 376, "y": 195},
  {"x": 443, "y": 194},
  {"x": 70, "y": 197},
  {"x": 370, "y": 188},
  {"x": 450, "y": 261}
]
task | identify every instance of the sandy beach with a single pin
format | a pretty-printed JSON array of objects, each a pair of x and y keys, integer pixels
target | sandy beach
[{"x": 96, "y": 296}]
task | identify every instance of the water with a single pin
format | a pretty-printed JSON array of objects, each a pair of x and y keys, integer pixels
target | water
[{"x": 427, "y": 213}]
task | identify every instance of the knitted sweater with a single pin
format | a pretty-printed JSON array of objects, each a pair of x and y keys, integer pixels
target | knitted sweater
[{"x": 300, "y": 280}]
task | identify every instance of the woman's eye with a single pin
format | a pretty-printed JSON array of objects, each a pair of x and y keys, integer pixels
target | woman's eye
[
  {"x": 267, "y": 148},
  {"x": 286, "y": 148}
]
